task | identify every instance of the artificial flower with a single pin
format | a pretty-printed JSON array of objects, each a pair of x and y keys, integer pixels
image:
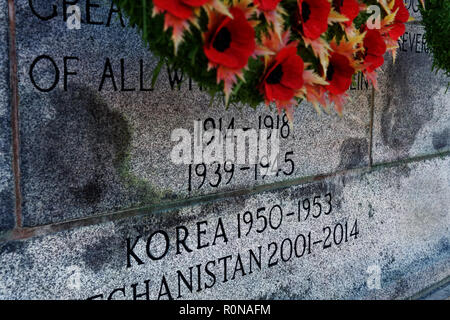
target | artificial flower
[
  {"x": 339, "y": 74},
  {"x": 401, "y": 16},
  {"x": 182, "y": 9},
  {"x": 229, "y": 43},
  {"x": 284, "y": 76},
  {"x": 266, "y": 5},
  {"x": 234, "y": 33},
  {"x": 180, "y": 14},
  {"x": 273, "y": 13},
  {"x": 314, "y": 17},
  {"x": 348, "y": 8},
  {"x": 374, "y": 50}
]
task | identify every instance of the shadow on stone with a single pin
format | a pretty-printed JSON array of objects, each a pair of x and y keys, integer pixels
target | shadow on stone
[{"x": 76, "y": 163}]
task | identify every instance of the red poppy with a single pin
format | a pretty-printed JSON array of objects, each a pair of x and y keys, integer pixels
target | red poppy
[
  {"x": 314, "y": 17},
  {"x": 348, "y": 8},
  {"x": 182, "y": 9},
  {"x": 266, "y": 5},
  {"x": 374, "y": 47},
  {"x": 402, "y": 16},
  {"x": 284, "y": 77},
  {"x": 339, "y": 74},
  {"x": 231, "y": 42}
]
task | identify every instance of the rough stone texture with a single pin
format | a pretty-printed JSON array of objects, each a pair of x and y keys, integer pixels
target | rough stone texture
[
  {"x": 412, "y": 112},
  {"x": 86, "y": 151},
  {"x": 6, "y": 176},
  {"x": 403, "y": 220}
]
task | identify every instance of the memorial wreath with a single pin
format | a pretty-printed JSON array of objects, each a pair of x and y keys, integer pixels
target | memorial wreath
[{"x": 272, "y": 51}]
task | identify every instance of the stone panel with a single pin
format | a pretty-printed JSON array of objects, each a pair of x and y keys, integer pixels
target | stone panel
[
  {"x": 383, "y": 234},
  {"x": 90, "y": 146},
  {"x": 412, "y": 111}
]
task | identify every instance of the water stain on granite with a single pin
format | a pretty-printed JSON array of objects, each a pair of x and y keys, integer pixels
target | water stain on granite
[
  {"x": 104, "y": 252},
  {"x": 443, "y": 247},
  {"x": 441, "y": 140},
  {"x": 12, "y": 247},
  {"x": 19, "y": 248},
  {"x": 406, "y": 109},
  {"x": 354, "y": 153},
  {"x": 7, "y": 216},
  {"x": 76, "y": 160},
  {"x": 401, "y": 288},
  {"x": 90, "y": 193},
  {"x": 82, "y": 144}
]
